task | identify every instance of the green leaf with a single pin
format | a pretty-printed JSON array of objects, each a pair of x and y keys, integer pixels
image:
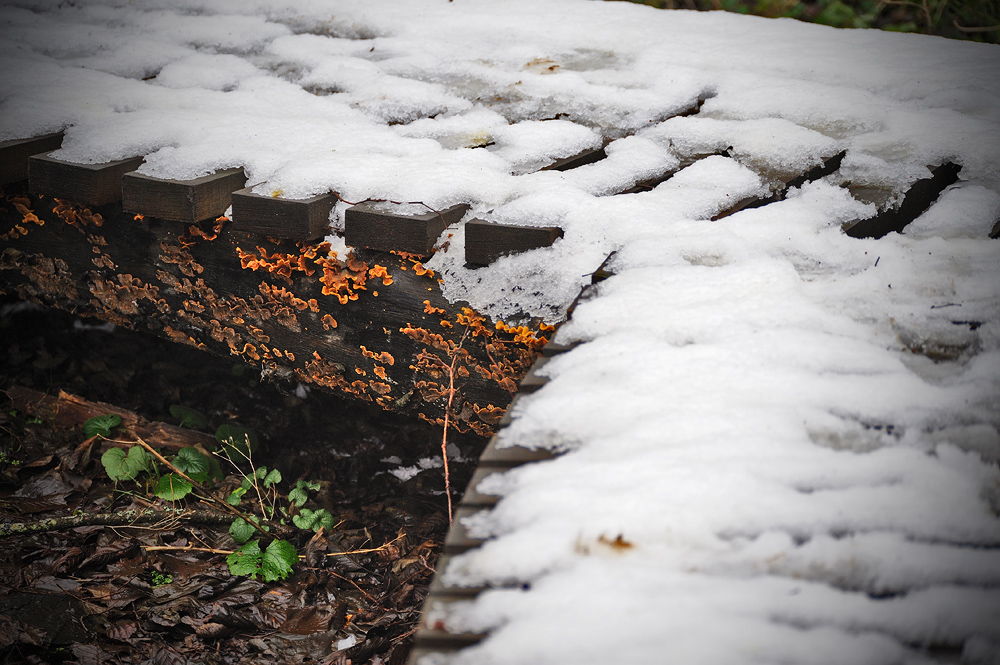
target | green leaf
[
  {"x": 237, "y": 495},
  {"x": 122, "y": 466},
  {"x": 238, "y": 442},
  {"x": 172, "y": 487},
  {"x": 313, "y": 519},
  {"x": 241, "y": 530},
  {"x": 297, "y": 496},
  {"x": 273, "y": 477},
  {"x": 188, "y": 417},
  {"x": 101, "y": 425},
  {"x": 279, "y": 557},
  {"x": 193, "y": 463},
  {"x": 246, "y": 560}
]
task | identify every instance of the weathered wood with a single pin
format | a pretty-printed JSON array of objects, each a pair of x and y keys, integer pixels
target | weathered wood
[
  {"x": 370, "y": 326},
  {"x": 778, "y": 193},
  {"x": 588, "y": 156},
  {"x": 995, "y": 232},
  {"x": 89, "y": 184},
  {"x": 374, "y": 225},
  {"x": 304, "y": 219},
  {"x": 916, "y": 200},
  {"x": 14, "y": 155},
  {"x": 66, "y": 410},
  {"x": 485, "y": 242},
  {"x": 181, "y": 200}
]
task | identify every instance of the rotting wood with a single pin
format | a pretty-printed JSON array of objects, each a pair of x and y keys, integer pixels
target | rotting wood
[
  {"x": 375, "y": 225},
  {"x": 300, "y": 220},
  {"x": 124, "y": 518},
  {"x": 86, "y": 184},
  {"x": 371, "y": 326},
  {"x": 181, "y": 200},
  {"x": 14, "y": 155},
  {"x": 65, "y": 410},
  {"x": 485, "y": 242},
  {"x": 916, "y": 200}
]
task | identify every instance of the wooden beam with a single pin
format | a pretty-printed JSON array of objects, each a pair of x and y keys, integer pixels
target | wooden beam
[
  {"x": 185, "y": 201},
  {"x": 14, "y": 155},
  {"x": 829, "y": 166},
  {"x": 916, "y": 200},
  {"x": 304, "y": 219},
  {"x": 588, "y": 156},
  {"x": 374, "y": 225},
  {"x": 485, "y": 242},
  {"x": 89, "y": 184}
]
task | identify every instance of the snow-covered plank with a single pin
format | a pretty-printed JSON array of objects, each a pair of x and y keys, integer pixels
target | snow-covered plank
[
  {"x": 14, "y": 155},
  {"x": 582, "y": 158},
  {"x": 379, "y": 226},
  {"x": 87, "y": 184},
  {"x": 915, "y": 201},
  {"x": 485, "y": 242},
  {"x": 185, "y": 201},
  {"x": 294, "y": 219}
]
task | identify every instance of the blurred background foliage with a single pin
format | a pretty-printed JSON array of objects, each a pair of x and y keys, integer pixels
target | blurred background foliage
[{"x": 977, "y": 20}]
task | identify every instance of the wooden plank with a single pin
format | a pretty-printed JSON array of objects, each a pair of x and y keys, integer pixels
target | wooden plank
[
  {"x": 511, "y": 456},
  {"x": 458, "y": 539},
  {"x": 473, "y": 498},
  {"x": 89, "y": 184},
  {"x": 532, "y": 381},
  {"x": 373, "y": 225},
  {"x": 916, "y": 200},
  {"x": 301, "y": 220},
  {"x": 187, "y": 201},
  {"x": 485, "y": 242},
  {"x": 829, "y": 166},
  {"x": 14, "y": 155},
  {"x": 995, "y": 232},
  {"x": 588, "y": 156},
  {"x": 439, "y": 588}
]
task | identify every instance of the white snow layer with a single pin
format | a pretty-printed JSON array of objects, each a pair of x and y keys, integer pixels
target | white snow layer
[{"x": 781, "y": 442}]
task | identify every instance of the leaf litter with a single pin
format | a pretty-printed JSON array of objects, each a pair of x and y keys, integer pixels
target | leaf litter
[{"x": 163, "y": 592}]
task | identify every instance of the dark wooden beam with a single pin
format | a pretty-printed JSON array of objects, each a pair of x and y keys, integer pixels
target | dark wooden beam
[
  {"x": 829, "y": 166},
  {"x": 186, "y": 201},
  {"x": 485, "y": 242},
  {"x": 14, "y": 155},
  {"x": 373, "y": 225},
  {"x": 588, "y": 156},
  {"x": 305, "y": 219},
  {"x": 89, "y": 184},
  {"x": 916, "y": 200}
]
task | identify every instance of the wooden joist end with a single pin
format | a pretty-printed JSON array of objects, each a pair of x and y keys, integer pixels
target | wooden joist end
[
  {"x": 14, "y": 155},
  {"x": 373, "y": 225},
  {"x": 185, "y": 201},
  {"x": 89, "y": 184},
  {"x": 485, "y": 242},
  {"x": 291, "y": 219}
]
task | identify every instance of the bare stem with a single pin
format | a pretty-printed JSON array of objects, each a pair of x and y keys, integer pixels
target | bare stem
[{"x": 447, "y": 420}]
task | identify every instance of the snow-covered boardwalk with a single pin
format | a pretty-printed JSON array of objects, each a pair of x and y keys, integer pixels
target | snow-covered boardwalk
[{"x": 778, "y": 443}]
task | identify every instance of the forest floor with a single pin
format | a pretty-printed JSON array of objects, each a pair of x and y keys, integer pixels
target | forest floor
[{"x": 139, "y": 594}]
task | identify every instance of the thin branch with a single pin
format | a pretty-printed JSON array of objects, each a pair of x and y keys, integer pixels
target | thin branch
[
  {"x": 962, "y": 28},
  {"x": 366, "y": 551},
  {"x": 219, "y": 502},
  {"x": 118, "y": 519},
  {"x": 186, "y": 548},
  {"x": 447, "y": 417}
]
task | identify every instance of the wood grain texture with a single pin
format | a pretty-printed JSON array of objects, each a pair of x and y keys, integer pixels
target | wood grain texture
[
  {"x": 917, "y": 199},
  {"x": 373, "y": 225},
  {"x": 89, "y": 184},
  {"x": 14, "y": 155},
  {"x": 185, "y": 201},
  {"x": 304, "y": 219},
  {"x": 485, "y": 242},
  {"x": 588, "y": 156}
]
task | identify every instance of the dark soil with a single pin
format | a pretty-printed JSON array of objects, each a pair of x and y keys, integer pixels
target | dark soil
[{"x": 96, "y": 595}]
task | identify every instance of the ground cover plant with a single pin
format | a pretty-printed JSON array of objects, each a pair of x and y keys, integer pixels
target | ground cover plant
[{"x": 307, "y": 548}]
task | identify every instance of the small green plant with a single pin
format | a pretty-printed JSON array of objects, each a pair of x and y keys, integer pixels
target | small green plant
[
  {"x": 101, "y": 425},
  {"x": 188, "y": 417},
  {"x": 191, "y": 471},
  {"x": 161, "y": 579}
]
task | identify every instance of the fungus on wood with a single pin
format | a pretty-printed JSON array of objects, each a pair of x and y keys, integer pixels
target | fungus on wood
[{"x": 370, "y": 325}]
